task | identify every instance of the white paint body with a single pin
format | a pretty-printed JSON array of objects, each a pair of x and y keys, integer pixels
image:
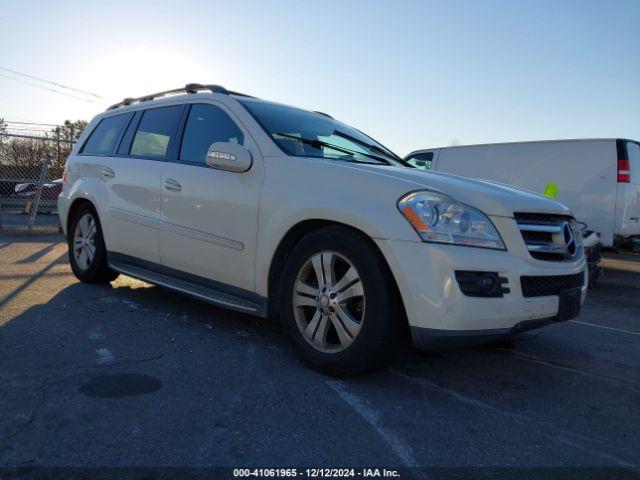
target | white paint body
[
  {"x": 584, "y": 170},
  {"x": 226, "y": 226}
]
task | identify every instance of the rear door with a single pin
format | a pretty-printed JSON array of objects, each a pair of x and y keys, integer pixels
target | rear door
[
  {"x": 133, "y": 177},
  {"x": 628, "y": 192},
  {"x": 209, "y": 217}
]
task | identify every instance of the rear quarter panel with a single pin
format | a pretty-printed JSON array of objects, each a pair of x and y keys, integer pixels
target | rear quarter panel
[{"x": 84, "y": 182}]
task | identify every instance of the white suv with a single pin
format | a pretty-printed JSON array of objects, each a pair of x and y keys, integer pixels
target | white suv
[{"x": 277, "y": 211}]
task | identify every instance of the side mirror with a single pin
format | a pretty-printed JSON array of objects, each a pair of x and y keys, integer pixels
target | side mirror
[{"x": 229, "y": 156}]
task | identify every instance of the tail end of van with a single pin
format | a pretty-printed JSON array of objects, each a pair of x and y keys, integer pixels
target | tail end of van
[{"x": 627, "y": 218}]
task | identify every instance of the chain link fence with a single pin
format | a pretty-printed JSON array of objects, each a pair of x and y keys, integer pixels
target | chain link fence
[{"x": 31, "y": 169}]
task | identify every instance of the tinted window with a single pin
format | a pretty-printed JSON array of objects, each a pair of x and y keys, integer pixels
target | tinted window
[
  {"x": 103, "y": 139},
  {"x": 421, "y": 160},
  {"x": 155, "y": 131},
  {"x": 311, "y": 134},
  {"x": 207, "y": 125},
  {"x": 127, "y": 138}
]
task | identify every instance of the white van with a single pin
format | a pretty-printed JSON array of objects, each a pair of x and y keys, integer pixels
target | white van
[{"x": 599, "y": 179}]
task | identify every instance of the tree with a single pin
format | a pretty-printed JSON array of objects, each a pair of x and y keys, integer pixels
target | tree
[
  {"x": 22, "y": 157},
  {"x": 72, "y": 130},
  {"x": 64, "y": 137}
]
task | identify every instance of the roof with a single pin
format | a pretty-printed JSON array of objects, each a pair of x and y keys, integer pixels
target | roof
[{"x": 523, "y": 142}]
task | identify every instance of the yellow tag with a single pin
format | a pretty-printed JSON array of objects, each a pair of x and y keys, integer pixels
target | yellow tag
[{"x": 551, "y": 190}]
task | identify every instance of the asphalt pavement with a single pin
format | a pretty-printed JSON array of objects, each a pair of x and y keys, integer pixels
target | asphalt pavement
[{"x": 130, "y": 374}]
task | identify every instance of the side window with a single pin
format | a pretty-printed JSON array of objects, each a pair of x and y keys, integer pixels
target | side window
[
  {"x": 155, "y": 131},
  {"x": 206, "y": 125},
  {"x": 103, "y": 139},
  {"x": 421, "y": 160}
]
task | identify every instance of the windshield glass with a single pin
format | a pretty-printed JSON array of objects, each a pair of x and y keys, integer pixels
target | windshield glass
[{"x": 309, "y": 134}]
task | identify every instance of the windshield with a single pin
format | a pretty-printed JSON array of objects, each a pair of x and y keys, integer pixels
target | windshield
[{"x": 309, "y": 134}]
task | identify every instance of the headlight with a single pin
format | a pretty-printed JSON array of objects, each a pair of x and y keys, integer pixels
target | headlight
[{"x": 438, "y": 218}]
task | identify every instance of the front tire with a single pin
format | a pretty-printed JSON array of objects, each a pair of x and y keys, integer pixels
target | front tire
[
  {"x": 338, "y": 303},
  {"x": 87, "y": 251}
]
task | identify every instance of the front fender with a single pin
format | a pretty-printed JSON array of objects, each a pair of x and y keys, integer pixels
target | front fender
[{"x": 363, "y": 201}]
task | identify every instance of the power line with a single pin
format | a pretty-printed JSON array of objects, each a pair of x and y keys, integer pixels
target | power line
[
  {"x": 48, "y": 89},
  {"x": 22, "y": 120},
  {"x": 32, "y": 123},
  {"x": 26, "y": 121},
  {"x": 59, "y": 85},
  {"x": 14, "y": 129}
]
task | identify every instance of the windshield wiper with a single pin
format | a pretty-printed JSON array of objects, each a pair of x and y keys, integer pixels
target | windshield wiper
[
  {"x": 319, "y": 143},
  {"x": 372, "y": 147}
]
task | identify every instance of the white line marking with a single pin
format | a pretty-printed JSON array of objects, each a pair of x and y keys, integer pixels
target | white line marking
[
  {"x": 631, "y": 332},
  {"x": 105, "y": 357},
  {"x": 372, "y": 417},
  {"x": 560, "y": 435}
]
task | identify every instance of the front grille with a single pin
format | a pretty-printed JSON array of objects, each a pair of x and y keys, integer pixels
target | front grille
[
  {"x": 546, "y": 236},
  {"x": 544, "y": 218},
  {"x": 541, "y": 286},
  {"x": 537, "y": 236}
]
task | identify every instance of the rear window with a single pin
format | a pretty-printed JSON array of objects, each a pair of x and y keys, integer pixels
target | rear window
[
  {"x": 155, "y": 132},
  {"x": 102, "y": 140}
]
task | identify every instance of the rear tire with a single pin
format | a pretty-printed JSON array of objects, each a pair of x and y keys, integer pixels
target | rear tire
[
  {"x": 87, "y": 252},
  {"x": 338, "y": 303}
]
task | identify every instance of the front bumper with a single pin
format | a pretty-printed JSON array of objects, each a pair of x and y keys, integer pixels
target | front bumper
[
  {"x": 432, "y": 338},
  {"x": 440, "y": 314}
]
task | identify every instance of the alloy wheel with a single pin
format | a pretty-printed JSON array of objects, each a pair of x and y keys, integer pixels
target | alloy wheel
[
  {"x": 328, "y": 301},
  {"x": 84, "y": 241}
]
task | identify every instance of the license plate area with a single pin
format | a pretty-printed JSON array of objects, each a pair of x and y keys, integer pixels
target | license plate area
[{"x": 569, "y": 304}]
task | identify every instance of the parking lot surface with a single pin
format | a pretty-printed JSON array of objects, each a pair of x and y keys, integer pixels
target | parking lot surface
[{"x": 130, "y": 374}]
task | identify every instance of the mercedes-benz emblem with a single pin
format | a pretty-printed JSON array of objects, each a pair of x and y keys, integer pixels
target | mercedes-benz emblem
[{"x": 569, "y": 238}]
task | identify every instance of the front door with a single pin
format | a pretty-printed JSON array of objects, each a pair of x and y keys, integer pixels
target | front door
[{"x": 209, "y": 217}]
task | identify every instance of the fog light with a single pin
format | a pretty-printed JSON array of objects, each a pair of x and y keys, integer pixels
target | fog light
[
  {"x": 482, "y": 284},
  {"x": 489, "y": 283}
]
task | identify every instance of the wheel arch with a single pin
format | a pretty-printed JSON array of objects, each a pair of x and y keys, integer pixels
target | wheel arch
[
  {"x": 75, "y": 204},
  {"x": 293, "y": 236}
]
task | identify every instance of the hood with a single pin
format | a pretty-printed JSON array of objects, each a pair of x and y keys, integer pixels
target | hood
[{"x": 490, "y": 197}]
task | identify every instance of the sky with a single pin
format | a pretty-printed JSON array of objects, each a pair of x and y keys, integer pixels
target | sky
[{"x": 411, "y": 74}]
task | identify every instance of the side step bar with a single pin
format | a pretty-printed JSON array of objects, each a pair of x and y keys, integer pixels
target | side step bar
[{"x": 207, "y": 294}]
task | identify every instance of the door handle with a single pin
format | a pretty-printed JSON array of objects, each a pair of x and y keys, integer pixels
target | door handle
[
  {"x": 108, "y": 172},
  {"x": 173, "y": 185}
]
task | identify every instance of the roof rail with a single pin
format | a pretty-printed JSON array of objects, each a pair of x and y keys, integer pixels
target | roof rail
[
  {"x": 323, "y": 114},
  {"x": 188, "y": 88}
]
